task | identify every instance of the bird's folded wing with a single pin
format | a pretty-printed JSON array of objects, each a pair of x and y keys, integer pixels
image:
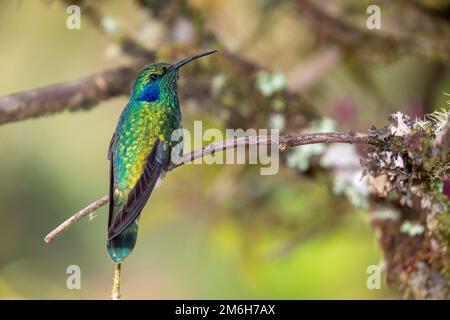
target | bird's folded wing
[
  {"x": 111, "y": 143},
  {"x": 157, "y": 163}
]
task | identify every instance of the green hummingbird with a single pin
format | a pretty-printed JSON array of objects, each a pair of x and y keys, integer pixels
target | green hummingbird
[{"x": 140, "y": 150}]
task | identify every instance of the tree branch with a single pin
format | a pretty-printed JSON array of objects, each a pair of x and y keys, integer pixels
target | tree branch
[
  {"x": 283, "y": 143},
  {"x": 72, "y": 95},
  {"x": 77, "y": 216}
]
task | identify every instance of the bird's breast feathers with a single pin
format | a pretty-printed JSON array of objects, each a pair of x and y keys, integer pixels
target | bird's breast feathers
[{"x": 140, "y": 125}]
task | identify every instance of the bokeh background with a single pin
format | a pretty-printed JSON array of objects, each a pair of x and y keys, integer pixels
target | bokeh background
[{"x": 221, "y": 231}]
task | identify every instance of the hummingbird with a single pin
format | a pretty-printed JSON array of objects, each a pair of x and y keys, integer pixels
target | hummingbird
[{"x": 140, "y": 150}]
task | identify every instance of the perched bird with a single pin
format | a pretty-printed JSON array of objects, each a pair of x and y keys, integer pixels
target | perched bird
[{"x": 140, "y": 150}]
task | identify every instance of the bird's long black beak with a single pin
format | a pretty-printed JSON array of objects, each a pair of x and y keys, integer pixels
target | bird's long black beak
[{"x": 187, "y": 60}]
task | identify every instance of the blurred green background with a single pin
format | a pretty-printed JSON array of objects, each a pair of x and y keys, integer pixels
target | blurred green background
[{"x": 198, "y": 236}]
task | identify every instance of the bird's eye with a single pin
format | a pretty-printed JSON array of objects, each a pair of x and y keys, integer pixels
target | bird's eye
[{"x": 154, "y": 76}]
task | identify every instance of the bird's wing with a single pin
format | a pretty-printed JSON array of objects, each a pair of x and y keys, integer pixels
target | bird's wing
[
  {"x": 111, "y": 144},
  {"x": 111, "y": 188},
  {"x": 111, "y": 178},
  {"x": 157, "y": 162}
]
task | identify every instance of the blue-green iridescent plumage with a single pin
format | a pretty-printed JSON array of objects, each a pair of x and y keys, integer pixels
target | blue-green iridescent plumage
[{"x": 140, "y": 150}]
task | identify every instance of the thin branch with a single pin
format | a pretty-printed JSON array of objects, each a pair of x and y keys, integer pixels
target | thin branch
[
  {"x": 283, "y": 143},
  {"x": 87, "y": 92},
  {"x": 116, "y": 295},
  {"x": 74, "y": 219}
]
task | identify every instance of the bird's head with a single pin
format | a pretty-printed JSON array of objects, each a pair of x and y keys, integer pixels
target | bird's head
[{"x": 158, "y": 81}]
